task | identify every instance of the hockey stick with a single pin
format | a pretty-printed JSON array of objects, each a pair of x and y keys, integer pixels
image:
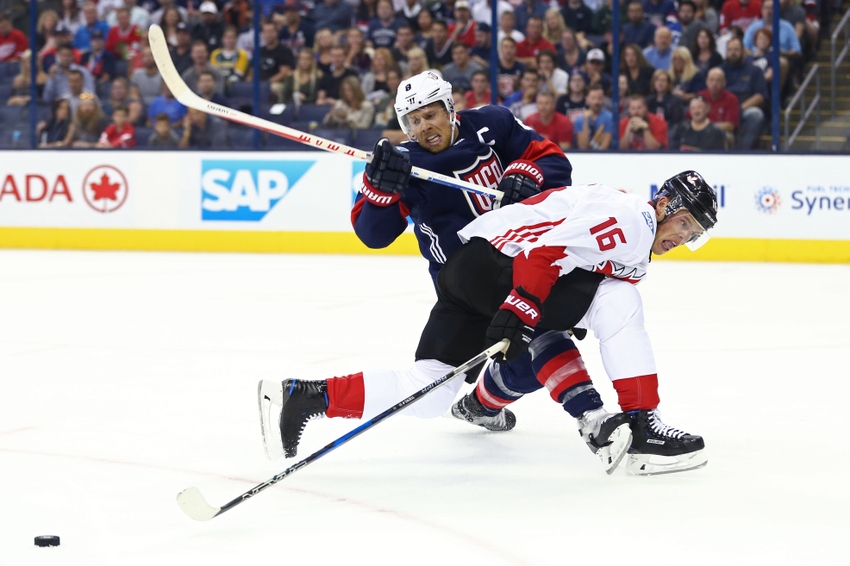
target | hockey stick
[
  {"x": 187, "y": 98},
  {"x": 194, "y": 504}
]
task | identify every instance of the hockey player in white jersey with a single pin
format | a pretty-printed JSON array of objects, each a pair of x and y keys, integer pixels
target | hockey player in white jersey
[{"x": 516, "y": 277}]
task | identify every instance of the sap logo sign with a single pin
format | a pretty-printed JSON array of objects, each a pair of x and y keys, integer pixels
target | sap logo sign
[{"x": 246, "y": 190}]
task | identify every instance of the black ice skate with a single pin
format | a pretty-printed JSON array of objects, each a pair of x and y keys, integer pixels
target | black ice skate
[
  {"x": 661, "y": 449},
  {"x": 300, "y": 402},
  {"x": 608, "y": 436},
  {"x": 469, "y": 409}
]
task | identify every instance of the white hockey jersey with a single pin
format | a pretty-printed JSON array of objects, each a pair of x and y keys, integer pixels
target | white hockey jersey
[{"x": 592, "y": 227}]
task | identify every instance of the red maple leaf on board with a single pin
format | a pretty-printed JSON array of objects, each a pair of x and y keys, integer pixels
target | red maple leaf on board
[{"x": 105, "y": 189}]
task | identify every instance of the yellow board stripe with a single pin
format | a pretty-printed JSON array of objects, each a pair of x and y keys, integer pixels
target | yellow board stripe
[{"x": 717, "y": 249}]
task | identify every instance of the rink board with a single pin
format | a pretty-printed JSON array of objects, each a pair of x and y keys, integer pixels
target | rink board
[{"x": 772, "y": 207}]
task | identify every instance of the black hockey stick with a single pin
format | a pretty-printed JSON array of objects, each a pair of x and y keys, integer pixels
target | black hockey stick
[{"x": 194, "y": 504}]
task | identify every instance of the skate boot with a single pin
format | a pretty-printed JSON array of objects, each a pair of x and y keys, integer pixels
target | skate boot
[
  {"x": 469, "y": 409},
  {"x": 661, "y": 449},
  {"x": 300, "y": 402},
  {"x": 608, "y": 436}
]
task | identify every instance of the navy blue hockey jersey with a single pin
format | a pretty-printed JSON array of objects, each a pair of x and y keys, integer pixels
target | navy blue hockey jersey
[{"x": 489, "y": 139}]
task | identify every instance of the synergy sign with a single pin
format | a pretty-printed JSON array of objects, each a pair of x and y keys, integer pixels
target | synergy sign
[{"x": 246, "y": 190}]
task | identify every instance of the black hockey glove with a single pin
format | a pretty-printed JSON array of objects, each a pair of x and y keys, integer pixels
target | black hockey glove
[
  {"x": 386, "y": 175},
  {"x": 515, "y": 320},
  {"x": 522, "y": 179}
]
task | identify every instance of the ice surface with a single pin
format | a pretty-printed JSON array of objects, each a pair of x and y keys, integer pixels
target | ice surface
[{"x": 127, "y": 377}]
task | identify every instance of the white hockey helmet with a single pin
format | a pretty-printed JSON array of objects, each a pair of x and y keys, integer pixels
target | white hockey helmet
[{"x": 420, "y": 91}]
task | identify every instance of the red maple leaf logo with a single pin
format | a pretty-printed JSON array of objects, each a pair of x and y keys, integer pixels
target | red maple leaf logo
[{"x": 105, "y": 189}]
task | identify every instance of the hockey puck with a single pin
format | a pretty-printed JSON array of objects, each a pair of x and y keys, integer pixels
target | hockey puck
[{"x": 47, "y": 540}]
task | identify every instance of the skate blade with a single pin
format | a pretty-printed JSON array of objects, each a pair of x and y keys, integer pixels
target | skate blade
[
  {"x": 652, "y": 465},
  {"x": 267, "y": 393},
  {"x": 612, "y": 454}
]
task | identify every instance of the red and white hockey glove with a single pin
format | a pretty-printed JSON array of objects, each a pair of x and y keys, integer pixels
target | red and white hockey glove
[
  {"x": 515, "y": 320},
  {"x": 386, "y": 175},
  {"x": 522, "y": 179}
]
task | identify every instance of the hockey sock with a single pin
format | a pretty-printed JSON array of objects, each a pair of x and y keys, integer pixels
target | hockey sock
[
  {"x": 636, "y": 393},
  {"x": 558, "y": 366},
  {"x": 492, "y": 391},
  {"x": 346, "y": 396}
]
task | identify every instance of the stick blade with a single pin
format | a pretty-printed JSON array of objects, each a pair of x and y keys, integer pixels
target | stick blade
[{"x": 193, "y": 504}]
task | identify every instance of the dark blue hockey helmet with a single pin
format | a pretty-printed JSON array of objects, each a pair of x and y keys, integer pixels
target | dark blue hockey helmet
[{"x": 689, "y": 191}]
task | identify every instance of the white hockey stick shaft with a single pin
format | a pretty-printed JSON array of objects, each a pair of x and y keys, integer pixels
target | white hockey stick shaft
[{"x": 186, "y": 97}]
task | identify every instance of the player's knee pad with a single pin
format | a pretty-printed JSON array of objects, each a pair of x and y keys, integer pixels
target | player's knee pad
[{"x": 558, "y": 366}]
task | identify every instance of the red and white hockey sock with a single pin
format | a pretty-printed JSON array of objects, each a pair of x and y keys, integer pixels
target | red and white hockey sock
[
  {"x": 346, "y": 396},
  {"x": 637, "y": 393}
]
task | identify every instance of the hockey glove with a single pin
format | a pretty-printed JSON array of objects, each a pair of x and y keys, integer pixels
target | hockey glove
[
  {"x": 522, "y": 179},
  {"x": 515, "y": 320},
  {"x": 386, "y": 175}
]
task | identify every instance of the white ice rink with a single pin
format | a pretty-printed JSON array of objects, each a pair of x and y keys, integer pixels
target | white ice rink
[{"x": 127, "y": 377}]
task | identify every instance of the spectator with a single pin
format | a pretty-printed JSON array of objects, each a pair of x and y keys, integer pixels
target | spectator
[
  {"x": 417, "y": 62},
  {"x": 230, "y": 61},
  {"x": 507, "y": 28},
  {"x": 723, "y": 105},
  {"x": 482, "y": 11},
  {"x": 323, "y": 42},
  {"x": 480, "y": 93},
  {"x": 208, "y": 29},
  {"x": 574, "y": 102},
  {"x": 356, "y": 56},
  {"x": 481, "y": 51},
  {"x": 119, "y": 134},
  {"x": 181, "y": 54},
  {"x": 705, "y": 14},
  {"x": 99, "y": 62},
  {"x": 762, "y": 57},
  {"x": 374, "y": 82},
  {"x": 552, "y": 79},
  {"x": 523, "y": 103},
  {"x": 528, "y": 9},
  {"x": 139, "y": 17},
  {"x": 438, "y": 49},
  {"x": 13, "y": 42},
  {"x": 636, "y": 68},
  {"x": 578, "y": 17},
  {"x": 572, "y": 57},
  {"x": 463, "y": 28},
  {"x": 147, "y": 79},
  {"x": 552, "y": 125},
  {"x": 166, "y": 104},
  {"x": 88, "y": 124},
  {"x": 403, "y": 44},
  {"x": 385, "y": 107},
  {"x": 58, "y": 76},
  {"x": 48, "y": 54},
  {"x": 82, "y": 39},
  {"x": 203, "y": 131},
  {"x": 662, "y": 102},
  {"x": 330, "y": 82},
  {"x": 637, "y": 31},
  {"x": 383, "y": 29},
  {"x": 352, "y": 110},
  {"x": 509, "y": 68},
  {"x": 336, "y": 15},
  {"x": 596, "y": 74},
  {"x": 201, "y": 63},
  {"x": 158, "y": 16},
  {"x": 71, "y": 18},
  {"x": 172, "y": 23},
  {"x": 789, "y": 45},
  {"x": 553, "y": 26},
  {"x": 459, "y": 71},
  {"x": 623, "y": 86},
  {"x": 657, "y": 11},
  {"x": 106, "y": 8},
  {"x": 53, "y": 132},
  {"x": 745, "y": 81},
  {"x": 533, "y": 43},
  {"x": 276, "y": 61},
  {"x": 704, "y": 51},
  {"x": 658, "y": 54},
  {"x": 296, "y": 32},
  {"x": 641, "y": 130},
  {"x": 409, "y": 12},
  {"x": 739, "y": 13},
  {"x": 690, "y": 25},
  {"x": 458, "y": 99},
  {"x": 123, "y": 39},
  {"x": 20, "y": 95},
  {"x": 698, "y": 133},
  {"x": 302, "y": 85},
  {"x": 595, "y": 126},
  {"x": 206, "y": 88},
  {"x": 424, "y": 21},
  {"x": 687, "y": 79},
  {"x": 807, "y": 29},
  {"x": 45, "y": 32},
  {"x": 163, "y": 136},
  {"x": 119, "y": 95}
]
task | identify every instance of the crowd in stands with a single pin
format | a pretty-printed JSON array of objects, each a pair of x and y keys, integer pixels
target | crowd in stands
[{"x": 693, "y": 74}]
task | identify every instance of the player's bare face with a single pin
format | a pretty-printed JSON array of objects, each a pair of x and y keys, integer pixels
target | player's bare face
[
  {"x": 674, "y": 231},
  {"x": 431, "y": 128}
]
